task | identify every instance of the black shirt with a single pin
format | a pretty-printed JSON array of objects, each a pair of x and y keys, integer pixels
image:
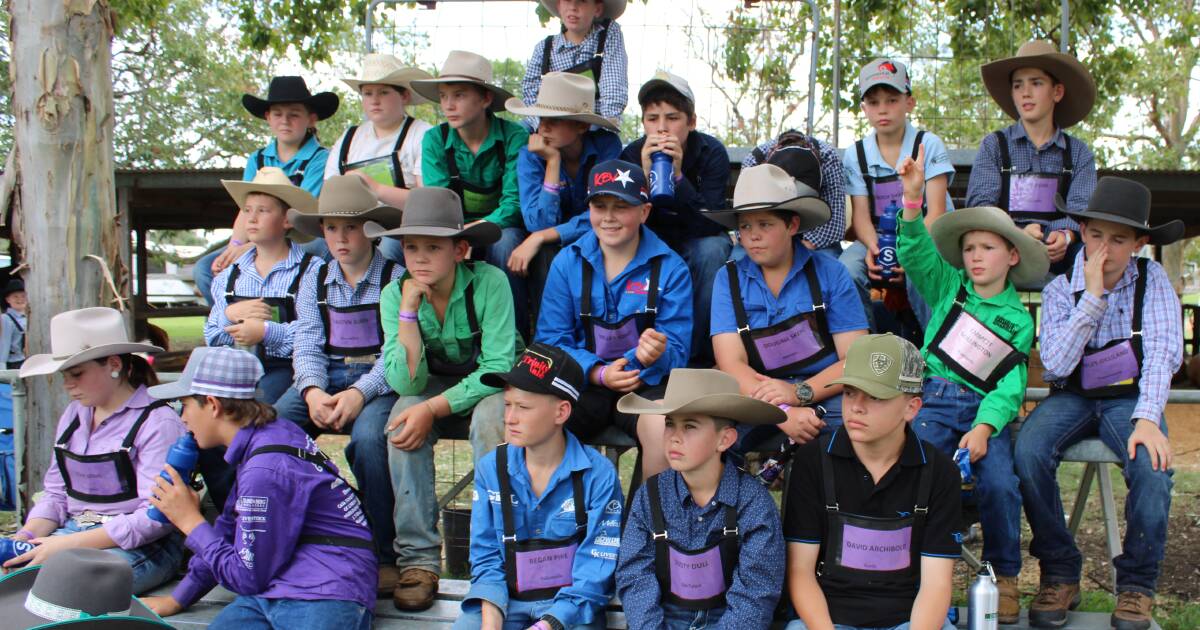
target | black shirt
[
  {"x": 705, "y": 173},
  {"x": 805, "y": 521}
]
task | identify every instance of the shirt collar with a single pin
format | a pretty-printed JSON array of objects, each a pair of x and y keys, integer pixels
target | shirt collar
[
  {"x": 139, "y": 400},
  {"x": 307, "y": 150},
  {"x": 495, "y": 136},
  {"x": 293, "y": 258},
  {"x": 727, "y": 486},
  {"x": 1016, "y": 131},
  {"x": 875, "y": 155},
  {"x": 374, "y": 271},
  {"x": 912, "y": 455},
  {"x": 1006, "y": 297},
  {"x": 649, "y": 246},
  {"x": 800, "y": 256},
  {"x": 574, "y": 458},
  {"x": 564, "y": 43}
]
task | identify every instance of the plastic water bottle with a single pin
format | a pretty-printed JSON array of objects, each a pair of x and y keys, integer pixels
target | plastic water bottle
[
  {"x": 983, "y": 600},
  {"x": 11, "y": 548},
  {"x": 182, "y": 457},
  {"x": 662, "y": 178},
  {"x": 887, "y": 241},
  {"x": 962, "y": 457}
]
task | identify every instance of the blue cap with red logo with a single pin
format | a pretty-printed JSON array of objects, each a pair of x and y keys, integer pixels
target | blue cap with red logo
[{"x": 621, "y": 179}]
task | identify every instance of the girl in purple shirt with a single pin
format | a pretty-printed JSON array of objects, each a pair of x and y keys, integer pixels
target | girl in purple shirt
[{"x": 110, "y": 443}]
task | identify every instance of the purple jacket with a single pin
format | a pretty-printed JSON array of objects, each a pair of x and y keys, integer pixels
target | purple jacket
[{"x": 252, "y": 548}]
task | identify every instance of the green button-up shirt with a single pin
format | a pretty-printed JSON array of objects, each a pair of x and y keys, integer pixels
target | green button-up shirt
[
  {"x": 482, "y": 168},
  {"x": 938, "y": 282},
  {"x": 451, "y": 340}
]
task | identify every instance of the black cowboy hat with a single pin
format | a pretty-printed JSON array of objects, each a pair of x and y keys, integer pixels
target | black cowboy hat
[
  {"x": 1126, "y": 202},
  {"x": 291, "y": 90},
  {"x": 14, "y": 285}
]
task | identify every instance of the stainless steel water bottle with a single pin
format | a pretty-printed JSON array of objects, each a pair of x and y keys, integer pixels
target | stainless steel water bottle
[{"x": 983, "y": 600}]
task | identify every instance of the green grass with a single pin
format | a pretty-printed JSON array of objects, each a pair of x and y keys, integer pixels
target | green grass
[{"x": 185, "y": 333}]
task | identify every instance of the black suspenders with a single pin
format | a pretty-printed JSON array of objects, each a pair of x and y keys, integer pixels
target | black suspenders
[
  {"x": 860, "y": 148},
  {"x": 344, "y": 152},
  {"x": 1064, "y": 179}
]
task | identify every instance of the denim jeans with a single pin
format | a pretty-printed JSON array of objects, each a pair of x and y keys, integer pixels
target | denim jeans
[
  {"x": 391, "y": 249},
  {"x": 678, "y": 618},
  {"x": 497, "y": 254},
  {"x": 704, "y": 257},
  {"x": 947, "y": 412},
  {"x": 753, "y": 438},
  {"x": 367, "y": 451},
  {"x": 796, "y": 624},
  {"x": 247, "y": 612},
  {"x": 418, "y": 542},
  {"x": 854, "y": 260},
  {"x": 1058, "y": 422},
  {"x": 276, "y": 379},
  {"x": 519, "y": 616},
  {"x": 154, "y": 563},
  {"x": 202, "y": 273}
]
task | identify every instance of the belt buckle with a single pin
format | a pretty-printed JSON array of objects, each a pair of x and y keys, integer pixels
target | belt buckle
[
  {"x": 88, "y": 517},
  {"x": 367, "y": 359}
]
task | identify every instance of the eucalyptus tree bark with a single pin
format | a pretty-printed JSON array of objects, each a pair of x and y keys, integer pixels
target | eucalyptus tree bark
[{"x": 64, "y": 205}]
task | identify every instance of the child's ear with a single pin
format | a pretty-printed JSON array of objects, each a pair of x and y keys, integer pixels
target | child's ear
[
  {"x": 646, "y": 207},
  {"x": 910, "y": 102},
  {"x": 461, "y": 249},
  {"x": 727, "y": 439},
  {"x": 1058, "y": 92},
  {"x": 1014, "y": 257},
  {"x": 562, "y": 412},
  {"x": 214, "y": 406}
]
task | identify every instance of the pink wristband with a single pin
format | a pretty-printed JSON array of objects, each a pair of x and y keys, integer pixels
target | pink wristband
[
  {"x": 911, "y": 205},
  {"x": 408, "y": 316}
]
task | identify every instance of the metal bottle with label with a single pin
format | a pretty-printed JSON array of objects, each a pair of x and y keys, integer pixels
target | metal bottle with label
[{"x": 983, "y": 600}]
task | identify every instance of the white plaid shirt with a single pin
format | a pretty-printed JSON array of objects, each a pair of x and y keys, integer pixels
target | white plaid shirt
[
  {"x": 614, "y": 80},
  {"x": 1067, "y": 328},
  {"x": 833, "y": 191}
]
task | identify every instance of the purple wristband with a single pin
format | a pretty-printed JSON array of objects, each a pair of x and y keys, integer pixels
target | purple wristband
[
  {"x": 784, "y": 406},
  {"x": 28, "y": 534},
  {"x": 602, "y": 371},
  {"x": 554, "y": 190},
  {"x": 233, "y": 242},
  {"x": 408, "y": 316}
]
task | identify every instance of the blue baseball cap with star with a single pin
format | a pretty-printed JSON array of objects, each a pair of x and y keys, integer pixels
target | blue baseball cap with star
[{"x": 621, "y": 179}]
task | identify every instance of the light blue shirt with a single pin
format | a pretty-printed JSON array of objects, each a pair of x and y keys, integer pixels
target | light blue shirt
[
  {"x": 12, "y": 336},
  {"x": 310, "y": 158},
  {"x": 937, "y": 161}
]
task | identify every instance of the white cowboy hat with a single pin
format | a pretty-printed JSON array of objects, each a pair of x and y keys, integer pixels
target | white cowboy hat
[
  {"x": 769, "y": 187},
  {"x": 464, "y": 67},
  {"x": 347, "y": 197},
  {"x": 564, "y": 95},
  {"x": 270, "y": 180},
  {"x": 83, "y": 335},
  {"x": 385, "y": 69}
]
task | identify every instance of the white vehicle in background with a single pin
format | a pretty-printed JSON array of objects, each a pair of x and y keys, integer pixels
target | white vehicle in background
[{"x": 168, "y": 289}]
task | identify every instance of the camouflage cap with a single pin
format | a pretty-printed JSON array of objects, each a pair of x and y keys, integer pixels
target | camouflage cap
[{"x": 883, "y": 366}]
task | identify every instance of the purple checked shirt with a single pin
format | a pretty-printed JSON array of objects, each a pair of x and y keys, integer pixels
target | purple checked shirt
[
  {"x": 1067, "y": 328},
  {"x": 131, "y": 528}
]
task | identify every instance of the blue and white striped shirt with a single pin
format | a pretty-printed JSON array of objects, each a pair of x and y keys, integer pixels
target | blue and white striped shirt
[
  {"x": 278, "y": 340},
  {"x": 1068, "y": 328},
  {"x": 833, "y": 191},
  {"x": 309, "y": 361},
  {"x": 614, "y": 79}
]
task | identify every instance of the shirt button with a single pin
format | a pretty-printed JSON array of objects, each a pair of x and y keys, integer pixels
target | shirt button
[
  {"x": 537, "y": 531},
  {"x": 699, "y": 519}
]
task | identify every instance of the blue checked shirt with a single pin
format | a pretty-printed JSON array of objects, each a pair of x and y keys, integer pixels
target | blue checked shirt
[
  {"x": 1067, "y": 328},
  {"x": 833, "y": 191},
  {"x": 758, "y": 577},
  {"x": 309, "y": 361},
  {"x": 278, "y": 339},
  {"x": 614, "y": 80},
  {"x": 983, "y": 189}
]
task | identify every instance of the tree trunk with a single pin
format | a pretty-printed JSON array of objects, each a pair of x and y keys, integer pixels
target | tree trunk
[{"x": 64, "y": 202}]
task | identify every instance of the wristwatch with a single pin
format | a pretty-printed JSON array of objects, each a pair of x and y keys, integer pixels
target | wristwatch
[
  {"x": 549, "y": 620},
  {"x": 804, "y": 392}
]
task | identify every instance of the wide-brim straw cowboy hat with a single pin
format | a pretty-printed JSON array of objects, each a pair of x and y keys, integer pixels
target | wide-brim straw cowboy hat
[
  {"x": 704, "y": 392},
  {"x": 291, "y": 89},
  {"x": 464, "y": 67},
  {"x": 1124, "y": 201},
  {"x": 77, "y": 588},
  {"x": 947, "y": 232},
  {"x": 385, "y": 69},
  {"x": 565, "y": 96},
  {"x": 1078, "y": 85},
  {"x": 435, "y": 211},
  {"x": 613, "y": 9},
  {"x": 345, "y": 197},
  {"x": 270, "y": 180},
  {"x": 83, "y": 335},
  {"x": 769, "y": 187}
]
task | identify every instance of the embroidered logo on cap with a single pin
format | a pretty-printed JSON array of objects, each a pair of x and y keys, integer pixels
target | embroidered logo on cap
[
  {"x": 623, "y": 177},
  {"x": 880, "y": 363},
  {"x": 538, "y": 365},
  {"x": 888, "y": 67}
]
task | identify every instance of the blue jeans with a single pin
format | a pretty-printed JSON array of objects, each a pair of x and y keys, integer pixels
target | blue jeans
[
  {"x": 947, "y": 412},
  {"x": 677, "y": 618},
  {"x": 753, "y": 438},
  {"x": 392, "y": 249},
  {"x": 367, "y": 451},
  {"x": 247, "y": 612},
  {"x": 154, "y": 563},
  {"x": 497, "y": 254},
  {"x": 796, "y": 624},
  {"x": 854, "y": 259},
  {"x": 202, "y": 273},
  {"x": 276, "y": 379},
  {"x": 418, "y": 542},
  {"x": 519, "y": 616},
  {"x": 704, "y": 257},
  {"x": 1058, "y": 422}
]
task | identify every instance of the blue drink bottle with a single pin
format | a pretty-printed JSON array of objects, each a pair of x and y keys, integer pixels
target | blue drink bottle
[
  {"x": 182, "y": 457},
  {"x": 662, "y": 178},
  {"x": 887, "y": 241},
  {"x": 11, "y": 548}
]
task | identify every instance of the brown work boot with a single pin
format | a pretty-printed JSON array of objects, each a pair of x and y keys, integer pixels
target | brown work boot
[
  {"x": 1133, "y": 611},
  {"x": 416, "y": 590},
  {"x": 1010, "y": 599},
  {"x": 389, "y": 578},
  {"x": 1049, "y": 608}
]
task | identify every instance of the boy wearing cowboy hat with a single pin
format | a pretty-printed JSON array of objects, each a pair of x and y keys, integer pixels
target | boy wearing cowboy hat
[
  {"x": 552, "y": 171},
  {"x": 591, "y": 45},
  {"x": 1111, "y": 341},
  {"x": 13, "y": 324},
  {"x": 617, "y": 300},
  {"x": 703, "y": 545},
  {"x": 545, "y": 560},
  {"x": 976, "y": 348},
  {"x": 872, "y": 513},
  {"x": 474, "y": 154},
  {"x": 291, "y": 111},
  {"x": 701, "y": 172},
  {"x": 293, "y": 543},
  {"x": 783, "y": 316},
  {"x": 1023, "y": 168},
  {"x": 255, "y": 299},
  {"x": 110, "y": 444},
  {"x": 339, "y": 385},
  {"x": 446, "y": 322},
  {"x": 886, "y": 99}
]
